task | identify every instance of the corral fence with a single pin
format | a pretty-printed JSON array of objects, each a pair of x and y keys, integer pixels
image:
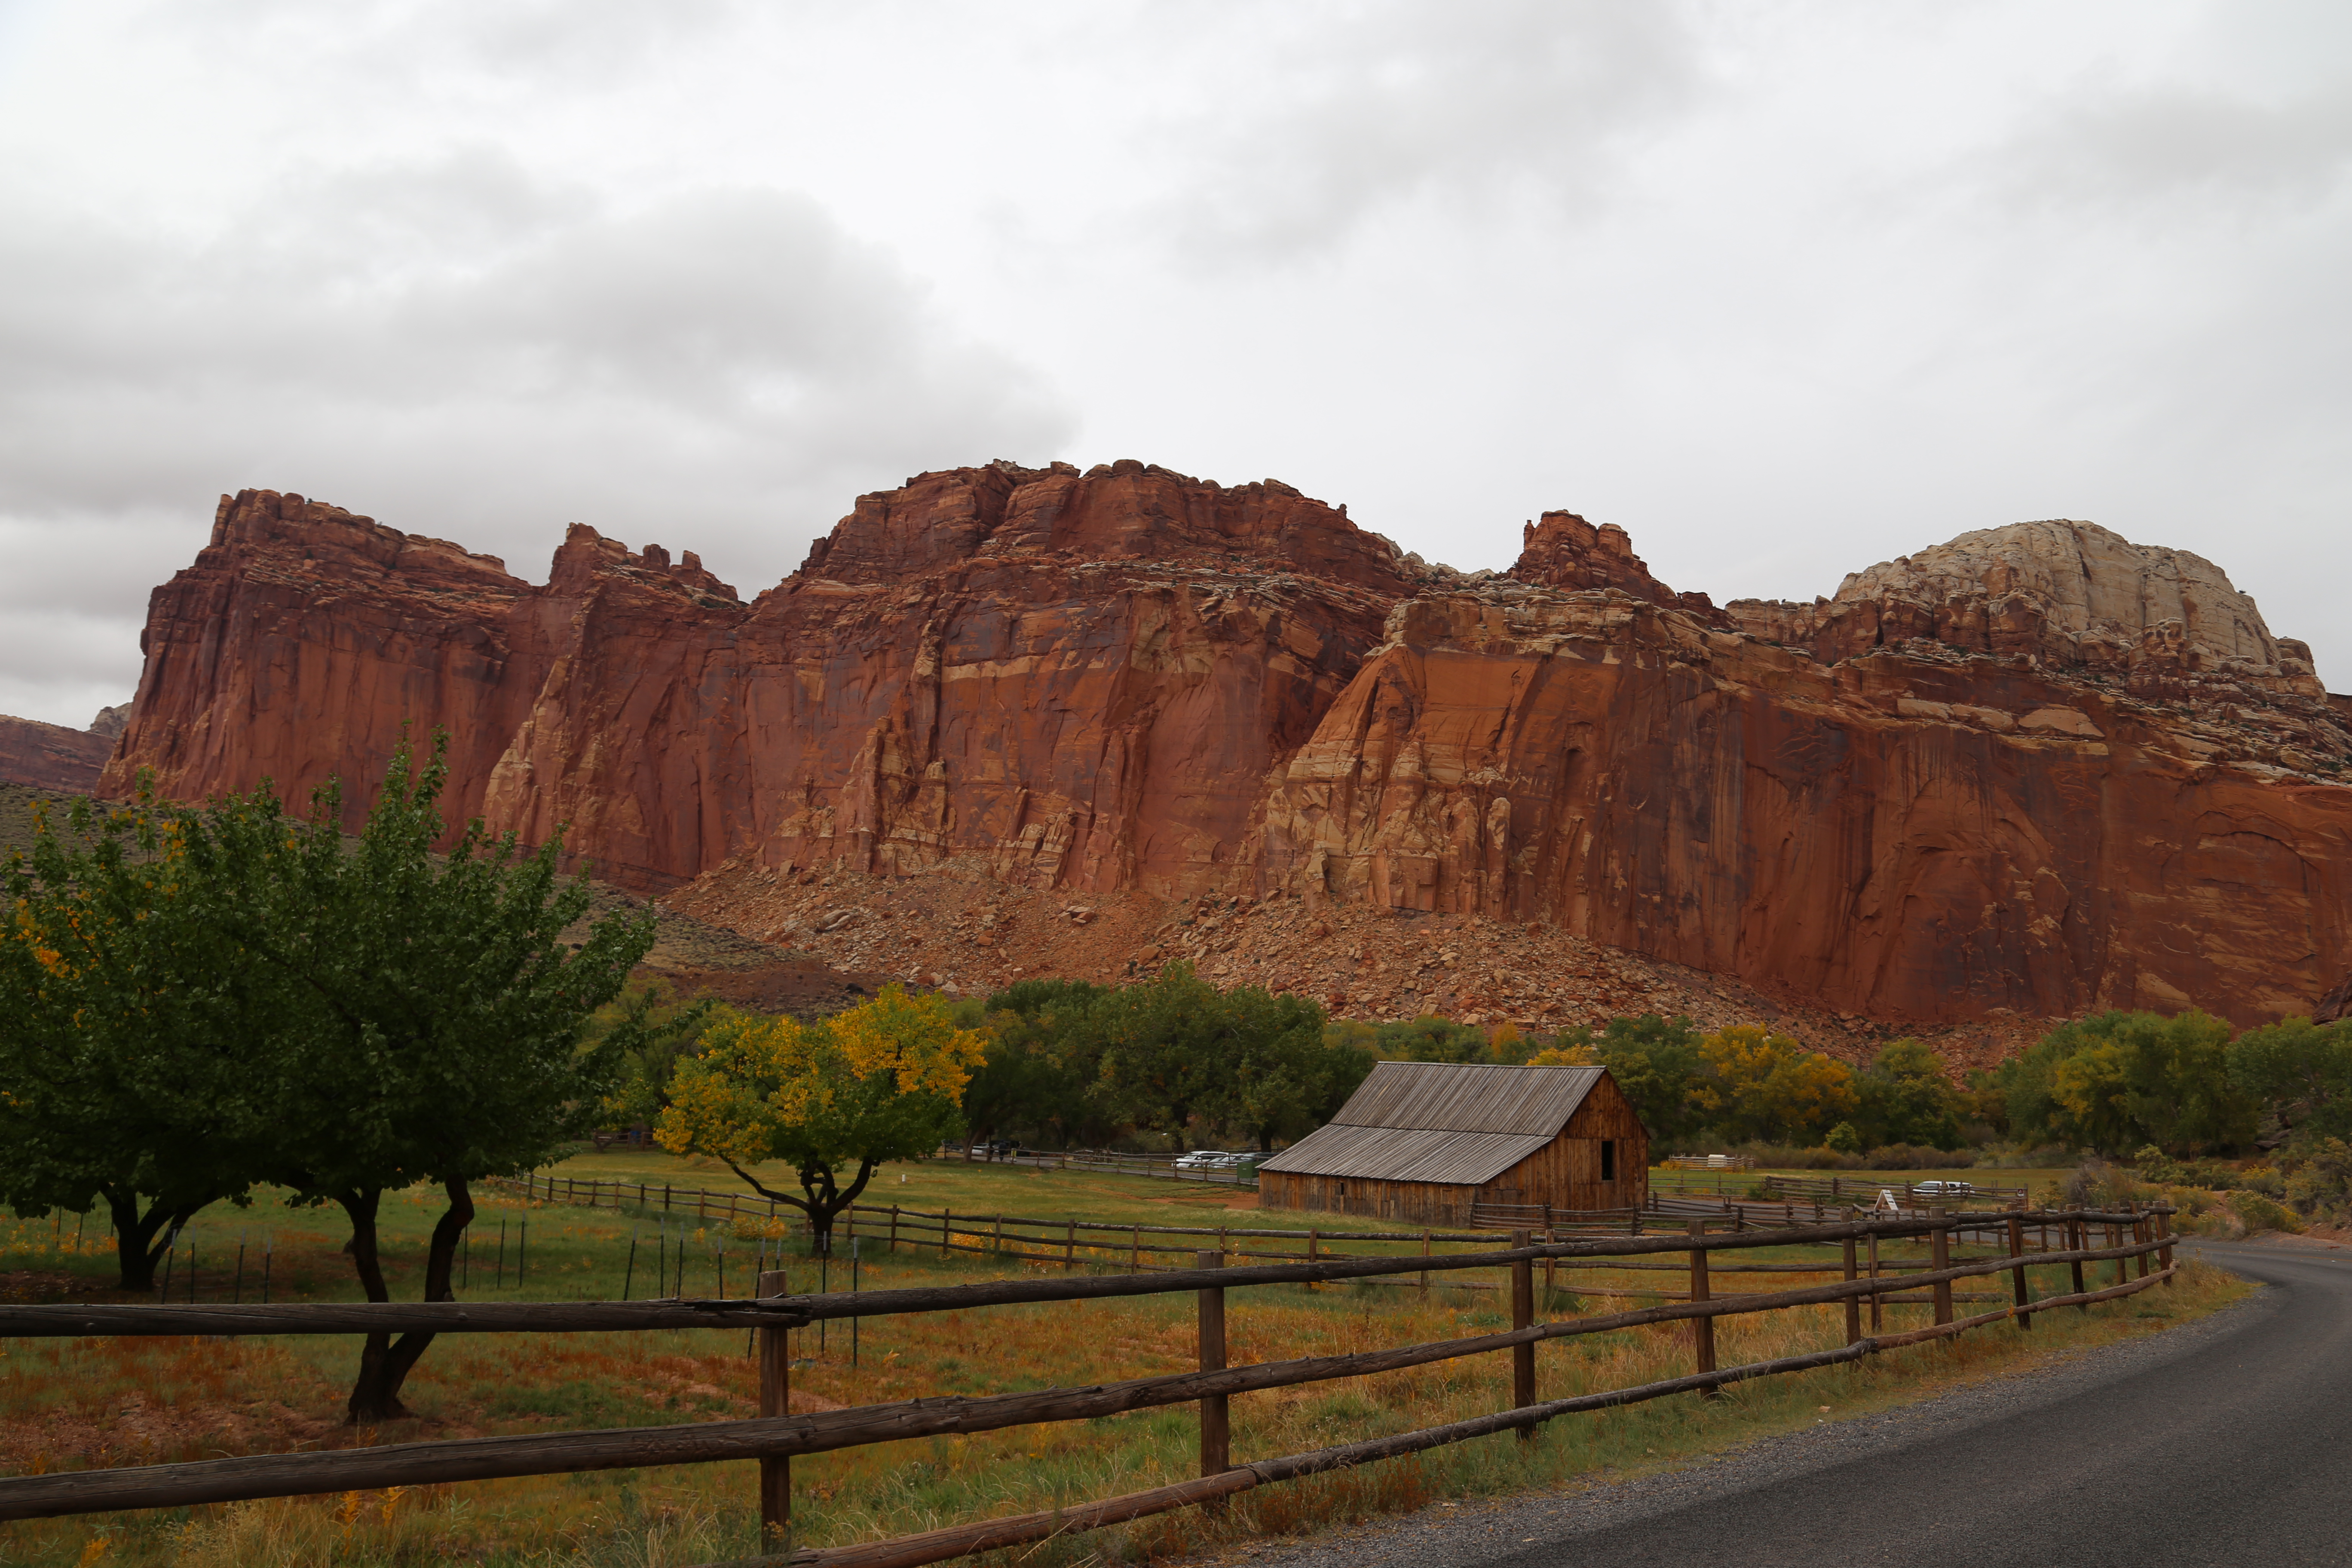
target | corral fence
[
  {"x": 1092, "y": 1242},
  {"x": 1065, "y": 1242},
  {"x": 2126, "y": 1240}
]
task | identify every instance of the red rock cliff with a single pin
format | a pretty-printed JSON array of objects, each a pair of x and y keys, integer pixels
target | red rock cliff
[
  {"x": 2039, "y": 768},
  {"x": 1079, "y": 679},
  {"x": 50, "y": 756},
  {"x": 1921, "y": 836}
]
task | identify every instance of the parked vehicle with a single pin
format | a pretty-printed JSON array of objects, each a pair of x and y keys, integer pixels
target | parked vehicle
[{"x": 1943, "y": 1189}]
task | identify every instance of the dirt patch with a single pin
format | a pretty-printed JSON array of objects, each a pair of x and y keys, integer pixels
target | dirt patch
[{"x": 32, "y": 1286}]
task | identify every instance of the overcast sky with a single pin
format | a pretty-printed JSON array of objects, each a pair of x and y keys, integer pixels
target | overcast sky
[{"x": 1782, "y": 290}]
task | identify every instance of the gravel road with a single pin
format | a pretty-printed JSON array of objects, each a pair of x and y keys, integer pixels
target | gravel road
[{"x": 2223, "y": 1442}]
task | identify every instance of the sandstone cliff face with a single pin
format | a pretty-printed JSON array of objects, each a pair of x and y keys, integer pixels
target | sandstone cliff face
[
  {"x": 2032, "y": 772},
  {"x": 2065, "y": 594},
  {"x": 1565, "y": 551},
  {"x": 1921, "y": 836},
  {"x": 990, "y": 663},
  {"x": 50, "y": 756}
]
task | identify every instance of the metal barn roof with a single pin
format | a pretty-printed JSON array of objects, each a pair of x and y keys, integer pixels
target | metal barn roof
[{"x": 1458, "y": 1123}]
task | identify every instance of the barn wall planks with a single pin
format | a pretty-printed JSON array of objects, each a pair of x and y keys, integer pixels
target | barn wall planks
[{"x": 1564, "y": 1173}]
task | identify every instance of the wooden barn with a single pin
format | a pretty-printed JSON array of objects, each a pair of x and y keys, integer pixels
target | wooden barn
[{"x": 1425, "y": 1141}]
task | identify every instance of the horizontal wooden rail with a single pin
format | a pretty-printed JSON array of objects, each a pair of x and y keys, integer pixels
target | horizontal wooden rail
[
  {"x": 484, "y": 1458},
  {"x": 1018, "y": 1529},
  {"x": 143, "y": 1319},
  {"x": 795, "y": 1311}
]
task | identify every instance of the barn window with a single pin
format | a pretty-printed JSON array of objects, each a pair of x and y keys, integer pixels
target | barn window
[
  {"x": 1608, "y": 1159},
  {"x": 1342, "y": 1189}
]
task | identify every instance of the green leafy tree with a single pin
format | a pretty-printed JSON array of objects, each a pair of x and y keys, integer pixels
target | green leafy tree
[
  {"x": 127, "y": 1027},
  {"x": 1656, "y": 1062},
  {"x": 1167, "y": 1053},
  {"x": 2301, "y": 1070},
  {"x": 2117, "y": 1080},
  {"x": 1285, "y": 1081},
  {"x": 1429, "y": 1038},
  {"x": 1041, "y": 1062},
  {"x": 1906, "y": 1096},
  {"x": 656, "y": 1029},
  {"x": 436, "y": 1021},
  {"x": 881, "y": 1081}
]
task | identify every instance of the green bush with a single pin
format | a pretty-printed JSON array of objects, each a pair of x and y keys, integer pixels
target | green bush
[
  {"x": 2095, "y": 1184},
  {"x": 2260, "y": 1212},
  {"x": 2319, "y": 1180},
  {"x": 1844, "y": 1140}
]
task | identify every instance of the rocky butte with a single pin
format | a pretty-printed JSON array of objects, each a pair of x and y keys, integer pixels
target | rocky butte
[{"x": 2035, "y": 770}]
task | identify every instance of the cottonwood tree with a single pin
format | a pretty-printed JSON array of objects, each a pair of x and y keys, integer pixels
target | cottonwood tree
[
  {"x": 1906, "y": 1096},
  {"x": 1285, "y": 1079},
  {"x": 128, "y": 1025},
  {"x": 2114, "y": 1081},
  {"x": 2301, "y": 1070},
  {"x": 436, "y": 1017},
  {"x": 881, "y": 1081},
  {"x": 1039, "y": 1065}
]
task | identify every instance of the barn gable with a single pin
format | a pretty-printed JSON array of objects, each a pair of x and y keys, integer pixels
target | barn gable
[{"x": 1430, "y": 1138}]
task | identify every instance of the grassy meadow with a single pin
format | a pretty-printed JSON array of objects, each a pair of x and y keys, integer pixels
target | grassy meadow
[{"x": 73, "y": 1403}]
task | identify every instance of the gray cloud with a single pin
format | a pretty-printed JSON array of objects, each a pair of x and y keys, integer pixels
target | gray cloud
[
  {"x": 461, "y": 350},
  {"x": 1359, "y": 108}
]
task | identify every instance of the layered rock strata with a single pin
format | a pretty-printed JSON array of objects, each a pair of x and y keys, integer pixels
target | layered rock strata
[
  {"x": 1914, "y": 833},
  {"x": 2036, "y": 770},
  {"x": 50, "y": 756},
  {"x": 1068, "y": 680}
]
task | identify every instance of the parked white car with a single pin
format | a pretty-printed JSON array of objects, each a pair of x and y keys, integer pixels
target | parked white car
[
  {"x": 1944, "y": 1189},
  {"x": 1206, "y": 1160}
]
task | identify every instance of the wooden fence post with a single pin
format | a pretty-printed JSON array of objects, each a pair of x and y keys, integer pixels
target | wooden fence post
[
  {"x": 1070, "y": 1245},
  {"x": 775, "y": 1385},
  {"x": 1877, "y": 1306},
  {"x": 1702, "y": 1329},
  {"x": 1853, "y": 1303},
  {"x": 2122, "y": 1265},
  {"x": 943, "y": 1235},
  {"x": 1424, "y": 1273},
  {"x": 2016, "y": 1275},
  {"x": 2164, "y": 1231},
  {"x": 2077, "y": 1237},
  {"x": 2139, "y": 1233},
  {"x": 893, "y": 1230},
  {"x": 1940, "y": 1253},
  {"x": 1216, "y": 1456},
  {"x": 1523, "y": 1316}
]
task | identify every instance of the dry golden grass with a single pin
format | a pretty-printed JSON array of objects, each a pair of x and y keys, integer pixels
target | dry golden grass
[{"x": 69, "y": 1404}]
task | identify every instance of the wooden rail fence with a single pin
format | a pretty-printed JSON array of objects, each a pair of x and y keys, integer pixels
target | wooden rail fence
[{"x": 2123, "y": 1238}]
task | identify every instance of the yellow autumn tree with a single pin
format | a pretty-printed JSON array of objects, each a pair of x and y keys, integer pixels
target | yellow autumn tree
[
  {"x": 1757, "y": 1084},
  {"x": 881, "y": 1081}
]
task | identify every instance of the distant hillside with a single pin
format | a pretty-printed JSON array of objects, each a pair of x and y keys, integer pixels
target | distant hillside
[{"x": 50, "y": 756}]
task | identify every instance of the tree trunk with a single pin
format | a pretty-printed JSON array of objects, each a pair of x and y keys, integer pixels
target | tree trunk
[
  {"x": 140, "y": 1238},
  {"x": 835, "y": 1199},
  {"x": 385, "y": 1363}
]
